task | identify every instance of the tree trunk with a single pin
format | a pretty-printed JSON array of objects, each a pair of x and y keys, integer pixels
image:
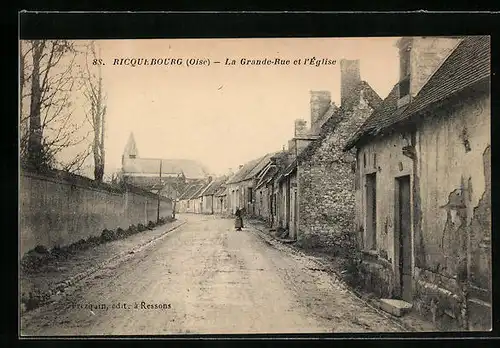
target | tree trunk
[
  {"x": 99, "y": 130},
  {"x": 35, "y": 124},
  {"x": 21, "y": 79}
]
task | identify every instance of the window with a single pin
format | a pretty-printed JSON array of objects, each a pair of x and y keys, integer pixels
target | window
[{"x": 250, "y": 195}]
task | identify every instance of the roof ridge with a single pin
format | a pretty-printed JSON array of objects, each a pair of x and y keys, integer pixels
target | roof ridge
[
  {"x": 443, "y": 61},
  {"x": 465, "y": 66}
]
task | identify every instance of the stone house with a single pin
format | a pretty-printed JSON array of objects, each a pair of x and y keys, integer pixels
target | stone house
[
  {"x": 278, "y": 190},
  {"x": 235, "y": 187},
  {"x": 182, "y": 206},
  {"x": 265, "y": 206},
  {"x": 240, "y": 187},
  {"x": 188, "y": 201},
  {"x": 207, "y": 195},
  {"x": 197, "y": 200},
  {"x": 423, "y": 185},
  {"x": 220, "y": 200},
  {"x": 318, "y": 203}
]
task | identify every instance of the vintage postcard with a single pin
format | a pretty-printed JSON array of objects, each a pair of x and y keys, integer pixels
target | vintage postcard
[{"x": 254, "y": 185}]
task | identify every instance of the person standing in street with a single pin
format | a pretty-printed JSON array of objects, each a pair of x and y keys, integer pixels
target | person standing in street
[{"x": 238, "y": 223}]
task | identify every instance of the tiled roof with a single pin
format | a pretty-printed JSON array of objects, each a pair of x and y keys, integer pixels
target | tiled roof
[
  {"x": 274, "y": 171},
  {"x": 467, "y": 65},
  {"x": 191, "y": 190},
  {"x": 214, "y": 186},
  {"x": 204, "y": 188},
  {"x": 245, "y": 170},
  {"x": 261, "y": 165},
  {"x": 189, "y": 168},
  {"x": 221, "y": 191},
  {"x": 196, "y": 192},
  {"x": 268, "y": 176},
  {"x": 186, "y": 191}
]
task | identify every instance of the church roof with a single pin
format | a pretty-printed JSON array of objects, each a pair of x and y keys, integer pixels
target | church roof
[
  {"x": 133, "y": 165},
  {"x": 189, "y": 168}
]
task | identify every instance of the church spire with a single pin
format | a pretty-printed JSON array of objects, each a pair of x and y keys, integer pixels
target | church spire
[{"x": 131, "y": 148}]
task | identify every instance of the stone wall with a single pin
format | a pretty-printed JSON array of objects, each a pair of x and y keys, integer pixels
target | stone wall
[
  {"x": 453, "y": 238},
  {"x": 326, "y": 183},
  {"x": 451, "y": 208},
  {"x": 376, "y": 274},
  {"x": 60, "y": 209}
]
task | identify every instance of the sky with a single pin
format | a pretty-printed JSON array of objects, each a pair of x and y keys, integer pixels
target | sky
[{"x": 224, "y": 116}]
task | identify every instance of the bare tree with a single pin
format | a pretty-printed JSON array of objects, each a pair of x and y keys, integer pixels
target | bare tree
[
  {"x": 49, "y": 126},
  {"x": 23, "y": 80},
  {"x": 96, "y": 115}
]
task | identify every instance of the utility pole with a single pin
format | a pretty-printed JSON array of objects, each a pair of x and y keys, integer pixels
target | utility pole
[
  {"x": 174, "y": 197},
  {"x": 159, "y": 189}
]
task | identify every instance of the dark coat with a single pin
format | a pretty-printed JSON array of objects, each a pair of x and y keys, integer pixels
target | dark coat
[{"x": 238, "y": 223}]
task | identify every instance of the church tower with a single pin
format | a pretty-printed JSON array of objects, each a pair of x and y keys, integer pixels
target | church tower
[{"x": 130, "y": 149}]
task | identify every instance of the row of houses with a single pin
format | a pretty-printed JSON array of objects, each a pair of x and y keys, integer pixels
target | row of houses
[
  {"x": 204, "y": 197},
  {"x": 407, "y": 177}
]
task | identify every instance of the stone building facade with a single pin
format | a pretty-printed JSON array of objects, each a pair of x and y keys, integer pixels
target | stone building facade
[
  {"x": 320, "y": 202},
  {"x": 423, "y": 183}
]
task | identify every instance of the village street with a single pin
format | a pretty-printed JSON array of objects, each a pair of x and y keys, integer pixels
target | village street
[{"x": 210, "y": 279}]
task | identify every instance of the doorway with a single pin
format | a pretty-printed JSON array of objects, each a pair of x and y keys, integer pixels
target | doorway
[
  {"x": 403, "y": 241},
  {"x": 293, "y": 213},
  {"x": 371, "y": 211}
]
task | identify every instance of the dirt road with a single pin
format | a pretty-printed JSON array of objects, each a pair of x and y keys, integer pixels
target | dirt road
[{"x": 206, "y": 278}]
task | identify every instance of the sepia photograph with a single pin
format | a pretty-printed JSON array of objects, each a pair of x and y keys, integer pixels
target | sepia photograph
[{"x": 254, "y": 186}]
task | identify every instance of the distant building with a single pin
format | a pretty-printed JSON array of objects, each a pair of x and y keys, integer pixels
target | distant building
[
  {"x": 220, "y": 200},
  {"x": 209, "y": 198},
  {"x": 145, "y": 172},
  {"x": 188, "y": 199},
  {"x": 241, "y": 186},
  {"x": 270, "y": 193}
]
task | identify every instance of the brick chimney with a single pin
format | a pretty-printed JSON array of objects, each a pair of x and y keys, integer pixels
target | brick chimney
[
  {"x": 320, "y": 102},
  {"x": 349, "y": 79},
  {"x": 301, "y": 128},
  {"x": 419, "y": 58}
]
